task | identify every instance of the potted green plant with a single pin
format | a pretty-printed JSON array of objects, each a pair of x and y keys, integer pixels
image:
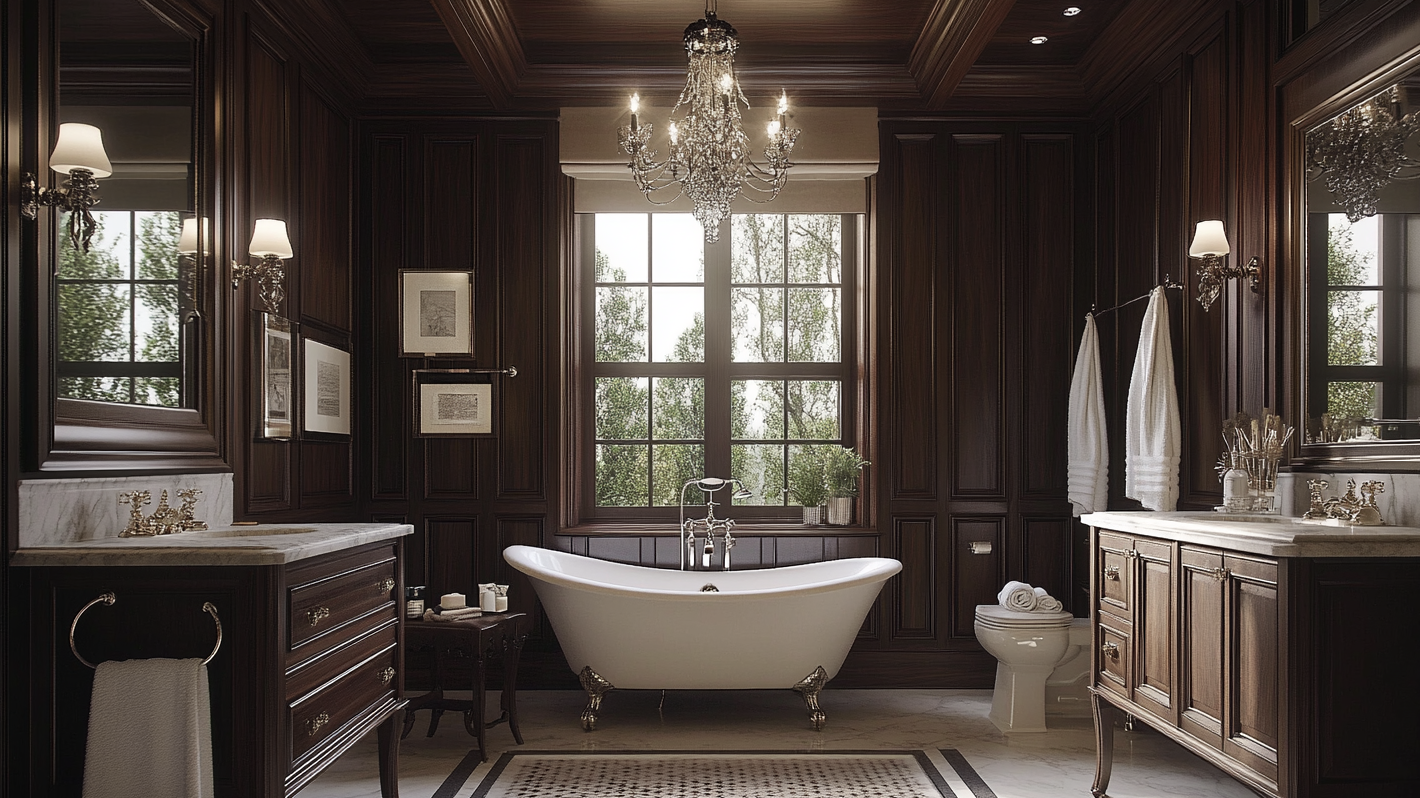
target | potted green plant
[
  {"x": 807, "y": 484},
  {"x": 840, "y": 471}
]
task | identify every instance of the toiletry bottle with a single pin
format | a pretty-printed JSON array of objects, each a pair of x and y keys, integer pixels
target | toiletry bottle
[
  {"x": 1236, "y": 495},
  {"x": 414, "y": 601}
]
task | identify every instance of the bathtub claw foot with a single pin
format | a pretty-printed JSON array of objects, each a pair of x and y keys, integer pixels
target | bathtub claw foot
[
  {"x": 810, "y": 687},
  {"x": 596, "y": 687}
]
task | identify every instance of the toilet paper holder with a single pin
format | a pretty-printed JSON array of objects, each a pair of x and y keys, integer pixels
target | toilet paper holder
[{"x": 979, "y": 546}]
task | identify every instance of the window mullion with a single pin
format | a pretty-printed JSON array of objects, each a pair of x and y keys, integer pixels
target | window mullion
[{"x": 717, "y": 354}]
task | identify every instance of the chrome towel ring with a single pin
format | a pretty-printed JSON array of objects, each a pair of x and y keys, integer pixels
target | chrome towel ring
[{"x": 109, "y": 598}]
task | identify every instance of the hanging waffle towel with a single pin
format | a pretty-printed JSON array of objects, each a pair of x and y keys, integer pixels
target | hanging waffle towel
[
  {"x": 1088, "y": 443},
  {"x": 1017, "y": 596},
  {"x": 1151, "y": 425},
  {"x": 150, "y": 731}
]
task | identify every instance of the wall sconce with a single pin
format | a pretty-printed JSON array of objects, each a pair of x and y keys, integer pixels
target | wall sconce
[
  {"x": 1210, "y": 245},
  {"x": 188, "y": 244},
  {"x": 270, "y": 243},
  {"x": 80, "y": 155}
]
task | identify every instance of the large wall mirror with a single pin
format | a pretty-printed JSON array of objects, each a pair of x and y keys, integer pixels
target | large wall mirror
[
  {"x": 1360, "y": 236},
  {"x": 132, "y": 316}
]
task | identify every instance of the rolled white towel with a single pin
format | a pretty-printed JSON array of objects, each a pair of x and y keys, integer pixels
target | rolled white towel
[
  {"x": 1044, "y": 602},
  {"x": 1017, "y": 596}
]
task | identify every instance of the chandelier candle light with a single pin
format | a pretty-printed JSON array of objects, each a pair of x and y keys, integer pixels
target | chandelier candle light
[
  {"x": 709, "y": 159},
  {"x": 1362, "y": 150}
]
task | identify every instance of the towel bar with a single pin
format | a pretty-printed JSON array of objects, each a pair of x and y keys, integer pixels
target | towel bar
[{"x": 109, "y": 598}]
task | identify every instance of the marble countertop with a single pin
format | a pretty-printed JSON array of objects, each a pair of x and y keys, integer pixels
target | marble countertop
[
  {"x": 1270, "y": 535},
  {"x": 263, "y": 544}
]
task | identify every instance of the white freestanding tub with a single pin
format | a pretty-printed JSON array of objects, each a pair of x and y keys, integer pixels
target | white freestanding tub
[{"x": 633, "y": 627}]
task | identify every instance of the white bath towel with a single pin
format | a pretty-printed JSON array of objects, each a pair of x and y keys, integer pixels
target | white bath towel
[
  {"x": 1088, "y": 445},
  {"x": 1017, "y": 596},
  {"x": 150, "y": 731},
  {"x": 1044, "y": 602},
  {"x": 1151, "y": 425}
]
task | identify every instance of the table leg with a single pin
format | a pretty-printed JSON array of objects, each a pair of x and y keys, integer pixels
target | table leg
[
  {"x": 512, "y": 651},
  {"x": 389, "y": 757},
  {"x": 473, "y": 719},
  {"x": 1104, "y": 743},
  {"x": 437, "y": 694}
]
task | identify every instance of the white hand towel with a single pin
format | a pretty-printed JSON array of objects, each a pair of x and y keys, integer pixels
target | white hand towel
[
  {"x": 1088, "y": 445},
  {"x": 150, "y": 731},
  {"x": 1017, "y": 596},
  {"x": 1044, "y": 602},
  {"x": 1151, "y": 426}
]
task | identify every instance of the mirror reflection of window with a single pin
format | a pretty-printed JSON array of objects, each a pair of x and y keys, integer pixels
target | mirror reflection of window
[{"x": 120, "y": 307}]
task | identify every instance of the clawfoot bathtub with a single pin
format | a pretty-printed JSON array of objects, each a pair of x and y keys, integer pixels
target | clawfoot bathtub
[{"x": 632, "y": 627}]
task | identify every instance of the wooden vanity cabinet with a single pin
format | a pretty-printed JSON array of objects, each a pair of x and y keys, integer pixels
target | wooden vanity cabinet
[
  {"x": 310, "y": 663},
  {"x": 1269, "y": 668}
]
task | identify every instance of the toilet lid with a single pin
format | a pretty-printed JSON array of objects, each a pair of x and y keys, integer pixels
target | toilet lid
[{"x": 996, "y": 615}]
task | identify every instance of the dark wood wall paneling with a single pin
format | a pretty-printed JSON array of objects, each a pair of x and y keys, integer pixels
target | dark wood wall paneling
[
  {"x": 291, "y": 149},
  {"x": 482, "y": 195},
  {"x": 978, "y": 244}
]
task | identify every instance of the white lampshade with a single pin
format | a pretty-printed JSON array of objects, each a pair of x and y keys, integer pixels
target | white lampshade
[
  {"x": 269, "y": 238},
  {"x": 80, "y": 147},
  {"x": 187, "y": 242},
  {"x": 1209, "y": 239}
]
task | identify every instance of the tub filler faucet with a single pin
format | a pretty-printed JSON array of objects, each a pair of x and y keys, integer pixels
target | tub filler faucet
[{"x": 688, "y": 526}]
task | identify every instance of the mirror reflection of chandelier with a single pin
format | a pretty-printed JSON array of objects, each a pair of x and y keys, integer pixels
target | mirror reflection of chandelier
[
  {"x": 1361, "y": 151},
  {"x": 709, "y": 159}
]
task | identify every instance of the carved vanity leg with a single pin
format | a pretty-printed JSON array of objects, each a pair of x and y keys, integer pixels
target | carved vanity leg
[
  {"x": 1104, "y": 743},
  {"x": 596, "y": 687},
  {"x": 810, "y": 687},
  {"x": 389, "y": 756}
]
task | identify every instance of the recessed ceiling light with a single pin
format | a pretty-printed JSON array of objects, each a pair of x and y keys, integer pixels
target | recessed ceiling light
[
  {"x": 1072, "y": 11},
  {"x": 1039, "y": 40}
]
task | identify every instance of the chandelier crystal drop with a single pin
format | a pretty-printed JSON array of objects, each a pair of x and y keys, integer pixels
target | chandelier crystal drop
[
  {"x": 710, "y": 160},
  {"x": 1361, "y": 151}
]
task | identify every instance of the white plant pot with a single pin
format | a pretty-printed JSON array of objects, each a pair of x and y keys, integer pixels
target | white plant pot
[
  {"x": 813, "y": 516},
  {"x": 840, "y": 511}
]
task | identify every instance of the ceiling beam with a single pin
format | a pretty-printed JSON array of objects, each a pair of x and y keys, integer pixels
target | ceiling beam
[
  {"x": 484, "y": 33},
  {"x": 953, "y": 38}
]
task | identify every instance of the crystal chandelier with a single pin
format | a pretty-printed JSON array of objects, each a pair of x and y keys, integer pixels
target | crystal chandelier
[
  {"x": 709, "y": 159},
  {"x": 1363, "y": 150}
]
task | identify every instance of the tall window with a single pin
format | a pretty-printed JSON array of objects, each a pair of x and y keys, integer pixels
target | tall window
[
  {"x": 118, "y": 320},
  {"x": 721, "y": 359}
]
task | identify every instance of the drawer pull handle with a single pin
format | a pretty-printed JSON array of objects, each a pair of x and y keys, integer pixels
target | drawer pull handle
[
  {"x": 317, "y": 615},
  {"x": 1112, "y": 572},
  {"x": 317, "y": 723},
  {"x": 384, "y": 586},
  {"x": 1110, "y": 650},
  {"x": 386, "y": 676}
]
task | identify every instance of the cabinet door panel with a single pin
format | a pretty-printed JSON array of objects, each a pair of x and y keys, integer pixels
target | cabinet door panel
[
  {"x": 1252, "y": 669},
  {"x": 1114, "y": 575},
  {"x": 1113, "y": 658},
  {"x": 1153, "y": 631},
  {"x": 1201, "y": 646}
]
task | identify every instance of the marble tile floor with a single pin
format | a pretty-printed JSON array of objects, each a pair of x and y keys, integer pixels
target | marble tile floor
[{"x": 1057, "y": 763}]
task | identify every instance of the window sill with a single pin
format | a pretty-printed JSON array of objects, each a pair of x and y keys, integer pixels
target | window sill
[{"x": 759, "y": 529}]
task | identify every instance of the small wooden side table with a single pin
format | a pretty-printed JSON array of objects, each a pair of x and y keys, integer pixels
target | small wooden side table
[{"x": 499, "y": 634}]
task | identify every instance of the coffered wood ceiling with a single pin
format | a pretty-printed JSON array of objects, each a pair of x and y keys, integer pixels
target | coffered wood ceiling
[{"x": 918, "y": 55}]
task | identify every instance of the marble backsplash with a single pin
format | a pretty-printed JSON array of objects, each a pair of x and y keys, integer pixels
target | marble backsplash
[
  {"x": 70, "y": 510},
  {"x": 1399, "y": 504}
]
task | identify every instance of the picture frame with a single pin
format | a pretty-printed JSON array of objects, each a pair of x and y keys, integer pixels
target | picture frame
[
  {"x": 435, "y": 313},
  {"x": 454, "y": 403},
  {"x": 326, "y": 389},
  {"x": 274, "y": 357}
]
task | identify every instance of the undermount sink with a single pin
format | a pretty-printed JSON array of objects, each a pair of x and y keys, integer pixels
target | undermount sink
[{"x": 253, "y": 531}]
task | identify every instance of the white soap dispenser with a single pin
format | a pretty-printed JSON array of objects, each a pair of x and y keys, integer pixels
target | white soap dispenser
[{"x": 1236, "y": 494}]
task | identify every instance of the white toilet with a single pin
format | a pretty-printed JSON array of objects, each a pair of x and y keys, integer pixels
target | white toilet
[{"x": 1028, "y": 647}]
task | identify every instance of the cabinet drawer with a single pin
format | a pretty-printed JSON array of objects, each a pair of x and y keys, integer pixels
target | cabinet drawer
[
  {"x": 317, "y": 715},
  {"x": 1113, "y": 579},
  {"x": 1112, "y": 658},
  {"x": 327, "y": 605},
  {"x": 326, "y": 666}
]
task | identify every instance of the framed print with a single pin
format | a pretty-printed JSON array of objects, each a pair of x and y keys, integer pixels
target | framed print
[
  {"x": 275, "y": 355},
  {"x": 453, "y": 403},
  {"x": 326, "y": 389},
  {"x": 435, "y": 313}
]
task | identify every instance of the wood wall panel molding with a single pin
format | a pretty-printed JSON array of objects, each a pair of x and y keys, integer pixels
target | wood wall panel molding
[
  {"x": 325, "y": 165},
  {"x": 914, "y": 596},
  {"x": 326, "y": 474},
  {"x": 518, "y": 530},
  {"x": 913, "y": 336},
  {"x": 389, "y": 395},
  {"x": 975, "y": 276},
  {"x": 451, "y": 466},
  {"x": 484, "y": 34},
  {"x": 453, "y": 565},
  {"x": 1046, "y": 557},
  {"x": 952, "y": 39},
  {"x": 975, "y": 578},
  {"x": 451, "y": 208}
]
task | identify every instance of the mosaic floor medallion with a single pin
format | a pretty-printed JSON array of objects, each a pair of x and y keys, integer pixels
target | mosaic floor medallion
[{"x": 722, "y": 774}]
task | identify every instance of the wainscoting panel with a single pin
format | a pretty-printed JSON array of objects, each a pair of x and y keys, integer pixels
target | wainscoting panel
[
  {"x": 453, "y": 565},
  {"x": 389, "y": 388},
  {"x": 915, "y": 596},
  {"x": 976, "y": 578},
  {"x": 323, "y": 268},
  {"x": 450, "y": 468}
]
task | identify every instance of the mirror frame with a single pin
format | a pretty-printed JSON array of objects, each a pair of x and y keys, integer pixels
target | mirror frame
[
  {"x": 75, "y": 435},
  {"x": 1350, "y": 76}
]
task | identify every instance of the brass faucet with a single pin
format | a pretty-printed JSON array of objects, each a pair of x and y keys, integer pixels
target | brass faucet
[
  {"x": 165, "y": 520},
  {"x": 1350, "y": 508}
]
